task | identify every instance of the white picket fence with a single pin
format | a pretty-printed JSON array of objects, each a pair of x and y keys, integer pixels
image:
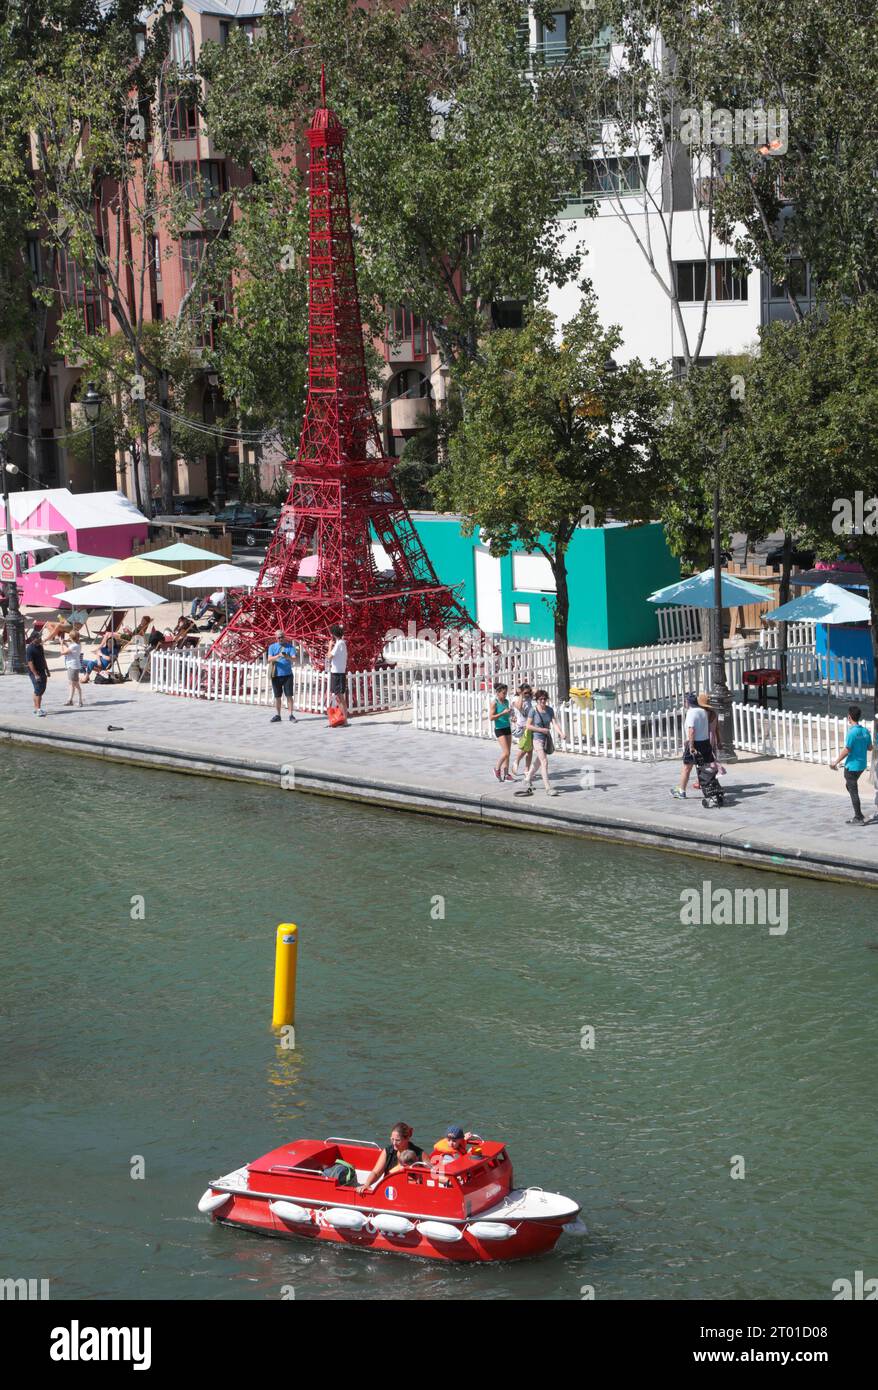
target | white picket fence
[
  {"x": 798, "y": 635},
  {"x": 805, "y": 738},
  {"x": 632, "y": 735},
  {"x": 638, "y": 735},
  {"x": 187, "y": 673},
  {"x": 678, "y": 623}
]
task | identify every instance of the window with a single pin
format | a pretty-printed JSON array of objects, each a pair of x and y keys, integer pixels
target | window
[
  {"x": 225, "y": 27},
  {"x": 532, "y": 574},
  {"x": 691, "y": 281},
  {"x": 78, "y": 292},
  {"x": 728, "y": 281},
  {"x": 182, "y": 43},
  {"x": 406, "y": 327},
  {"x": 248, "y": 29},
  {"x": 410, "y": 385},
  {"x": 202, "y": 182},
  {"x": 507, "y": 313},
  {"x": 521, "y": 612},
  {"x": 554, "y": 36},
  {"x": 605, "y": 178},
  {"x": 182, "y": 118},
  {"x": 191, "y": 252},
  {"x": 796, "y": 282}
]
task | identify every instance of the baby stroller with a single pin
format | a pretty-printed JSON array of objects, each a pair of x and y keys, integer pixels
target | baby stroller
[{"x": 712, "y": 794}]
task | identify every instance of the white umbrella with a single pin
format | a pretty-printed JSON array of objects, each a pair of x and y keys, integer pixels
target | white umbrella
[
  {"x": 829, "y": 604},
  {"x": 219, "y": 577},
  {"x": 697, "y": 592},
  {"x": 114, "y": 594}
]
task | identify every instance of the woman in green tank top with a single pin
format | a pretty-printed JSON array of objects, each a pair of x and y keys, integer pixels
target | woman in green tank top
[{"x": 500, "y": 717}]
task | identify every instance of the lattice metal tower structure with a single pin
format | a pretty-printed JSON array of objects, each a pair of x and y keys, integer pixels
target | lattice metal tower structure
[{"x": 343, "y": 497}]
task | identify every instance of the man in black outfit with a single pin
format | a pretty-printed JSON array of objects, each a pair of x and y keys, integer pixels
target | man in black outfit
[{"x": 37, "y": 669}]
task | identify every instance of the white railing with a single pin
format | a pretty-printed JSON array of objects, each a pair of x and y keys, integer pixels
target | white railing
[
  {"x": 629, "y": 734},
  {"x": 805, "y": 738},
  {"x": 798, "y": 635},
  {"x": 678, "y": 623},
  {"x": 248, "y": 683}
]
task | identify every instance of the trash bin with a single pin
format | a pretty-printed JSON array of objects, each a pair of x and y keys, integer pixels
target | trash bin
[
  {"x": 604, "y": 702},
  {"x": 582, "y": 695}
]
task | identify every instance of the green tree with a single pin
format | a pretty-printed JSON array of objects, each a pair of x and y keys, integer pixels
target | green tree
[
  {"x": 553, "y": 438},
  {"x": 456, "y": 162},
  {"x": 809, "y": 418}
]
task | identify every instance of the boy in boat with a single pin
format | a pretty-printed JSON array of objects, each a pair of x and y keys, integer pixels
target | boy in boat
[
  {"x": 390, "y": 1157},
  {"x": 455, "y": 1144}
]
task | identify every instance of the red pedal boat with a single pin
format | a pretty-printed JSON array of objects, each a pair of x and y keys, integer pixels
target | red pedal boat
[{"x": 466, "y": 1209}]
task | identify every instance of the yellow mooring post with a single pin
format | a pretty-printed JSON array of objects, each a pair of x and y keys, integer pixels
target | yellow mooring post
[{"x": 285, "y": 975}]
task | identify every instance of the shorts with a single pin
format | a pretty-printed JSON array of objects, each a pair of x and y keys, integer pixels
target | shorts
[
  {"x": 703, "y": 747},
  {"x": 38, "y": 683},
  {"x": 73, "y": 675},
  {"x": 283, "y": 685},
  {"x": 338, "y": 683},
  {"x": 502, "y": 733}
]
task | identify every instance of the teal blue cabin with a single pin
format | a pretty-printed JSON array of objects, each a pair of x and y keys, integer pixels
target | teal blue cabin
[{"x": 611, "y": 572}]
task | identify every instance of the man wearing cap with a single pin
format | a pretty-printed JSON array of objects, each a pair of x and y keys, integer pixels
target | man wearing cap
[{"x": 697, "y": 734}]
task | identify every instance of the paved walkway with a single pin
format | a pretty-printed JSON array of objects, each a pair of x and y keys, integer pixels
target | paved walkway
[{"x": 777, "y": 815}]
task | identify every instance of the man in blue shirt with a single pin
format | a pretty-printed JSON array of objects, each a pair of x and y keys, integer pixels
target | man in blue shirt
[
  {"x": 281, "y": 655},
  {"x": 856, "y": 747}
]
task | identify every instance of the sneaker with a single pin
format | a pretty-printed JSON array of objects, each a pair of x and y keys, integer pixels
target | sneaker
[
  {"x": 550, "y": 791},
  {"x": 275, "y": 719},
  {"x": 854, "y": 820},
  {"x": 41, "y": 713},
  {"x": 524, "y": 791},
  {"x": 497, "y": 774},
  {"x": 676, "y": 792},
  {"x": 293, "y": 719}
]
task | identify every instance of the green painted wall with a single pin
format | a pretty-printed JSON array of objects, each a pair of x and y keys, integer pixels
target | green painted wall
[{"x": 611, "y": 571}]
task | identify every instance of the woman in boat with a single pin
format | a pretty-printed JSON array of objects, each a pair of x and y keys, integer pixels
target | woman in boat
[{"x": 400, "y": 1141}]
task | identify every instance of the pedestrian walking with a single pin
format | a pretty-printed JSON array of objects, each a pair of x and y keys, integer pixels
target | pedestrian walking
[
  {"x": 697, "y": 734},
  {"x": 499, "y": 715},
  {"x": 281, "y": 655},
  {"x": 856, "y": 748},
  {"x": 521, "y": 708},
  {"x": 71, "y": 651},
  {"x": 337, "y": 665},
  {"x": 540, "y": 721},
  {"x": 37, "y": 669}
]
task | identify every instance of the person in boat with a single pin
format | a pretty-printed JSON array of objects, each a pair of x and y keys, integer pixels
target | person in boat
[
  {"x": 390, "y": 1157},
  {"x": 406, "y": 1159},
  {"x": 455, "y": 1144}
]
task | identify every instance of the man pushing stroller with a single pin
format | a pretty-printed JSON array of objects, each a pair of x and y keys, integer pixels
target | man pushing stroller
[{"x": 703, "y": 744}]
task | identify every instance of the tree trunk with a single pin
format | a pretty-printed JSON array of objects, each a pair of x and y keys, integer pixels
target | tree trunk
[
  {"x": 34, "y": 393},
  {"x": 166, "y": 445},
  {"x": 784, "y": 597},
  {"x": 141, "y": 476},
  {"x": 562, "y": 615}
]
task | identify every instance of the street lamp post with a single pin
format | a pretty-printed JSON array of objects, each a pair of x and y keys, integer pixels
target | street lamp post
[
  {"x": 220, "y": 451},
  {"x": 14, "y": 619},
  {"x": 91, "y": 404},
  {"x": 720, "y": 695}
]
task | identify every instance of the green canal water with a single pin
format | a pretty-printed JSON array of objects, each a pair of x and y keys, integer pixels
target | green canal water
[{"x": 125, "y": 1038}]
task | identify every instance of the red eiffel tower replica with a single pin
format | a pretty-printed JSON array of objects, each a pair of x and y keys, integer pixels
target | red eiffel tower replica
[{"x": 320, "y": 566}]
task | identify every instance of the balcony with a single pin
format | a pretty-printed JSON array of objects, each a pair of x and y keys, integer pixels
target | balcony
[{"x": 410, "y": 413}]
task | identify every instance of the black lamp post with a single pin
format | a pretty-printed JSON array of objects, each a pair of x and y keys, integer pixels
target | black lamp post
[
  {"x": 220, "y": 451},
  {"x": 91, "y": 404},
  {"x": 14, "y": 619},
  {"x": 720, "y": 695}
]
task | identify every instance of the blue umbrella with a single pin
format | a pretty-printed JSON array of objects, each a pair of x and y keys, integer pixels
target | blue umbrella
[
  {"x": 697, "y": 592},
  {"x": 826, "y": 604}
]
